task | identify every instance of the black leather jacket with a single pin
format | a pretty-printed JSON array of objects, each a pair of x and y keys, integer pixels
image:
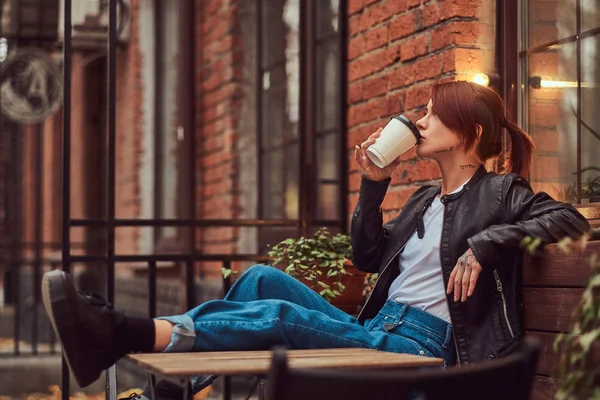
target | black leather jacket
[{"x": 491, "y": 215}]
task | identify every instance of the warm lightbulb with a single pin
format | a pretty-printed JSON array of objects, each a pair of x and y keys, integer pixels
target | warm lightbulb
[
  {"x": 557, "y": 84},
  {"x": 481, "y": 79}
]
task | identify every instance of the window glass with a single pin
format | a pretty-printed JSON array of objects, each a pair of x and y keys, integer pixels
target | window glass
[{"x": 550, "y": 20}]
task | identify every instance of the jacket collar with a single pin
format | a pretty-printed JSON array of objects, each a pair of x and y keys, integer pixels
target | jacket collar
[{"x": 445, "y": 198}]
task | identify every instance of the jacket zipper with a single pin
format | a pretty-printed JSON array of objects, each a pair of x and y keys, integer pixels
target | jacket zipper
[
  {"x": 499, "y": 287},
  {"x": 377, "y": 280},
  {"x": 447, "y": 302}
]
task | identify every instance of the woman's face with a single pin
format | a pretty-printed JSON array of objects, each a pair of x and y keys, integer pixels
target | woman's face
[{"x": 436, "y": 138}]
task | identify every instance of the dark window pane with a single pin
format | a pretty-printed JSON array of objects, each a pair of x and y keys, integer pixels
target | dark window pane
[
  {"x": 328, "y": 156},
  {"x": 552, "y": 121},
  {"x": 291, "y": 186},
  {"x": 590, "y": 15},
  {"x": 550, "y": 20},
  {"x": 327, "y": 17},
  {"x": 327, "y": 91},
  {"x": 590, "y": 130},
  {"x": 329, "y": 199},
  {"x": 279, "y": 23},
  {"x": 272, "y": 184}
]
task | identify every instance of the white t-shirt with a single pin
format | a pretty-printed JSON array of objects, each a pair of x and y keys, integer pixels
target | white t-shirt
[{"x": 420, "y": 283}]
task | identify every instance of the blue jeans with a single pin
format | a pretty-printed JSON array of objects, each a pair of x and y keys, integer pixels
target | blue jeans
[{"x": 265, "y": 308}]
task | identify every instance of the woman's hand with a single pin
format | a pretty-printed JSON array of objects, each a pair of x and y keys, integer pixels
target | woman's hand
[
  {"x": 367, "y": 167},
  {"x": 464, "y": 276}
]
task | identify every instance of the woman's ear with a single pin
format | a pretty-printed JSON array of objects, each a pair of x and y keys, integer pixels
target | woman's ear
[{"x": 479, "y": 131}]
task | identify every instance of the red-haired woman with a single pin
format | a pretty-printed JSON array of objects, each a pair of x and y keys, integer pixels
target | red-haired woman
[{"x": 449, "y": 264}]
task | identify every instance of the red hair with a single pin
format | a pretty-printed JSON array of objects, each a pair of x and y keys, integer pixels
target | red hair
[{"x": 462, "y": 106}]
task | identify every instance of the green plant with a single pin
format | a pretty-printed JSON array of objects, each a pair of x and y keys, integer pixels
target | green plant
[
  {"x": 577, "y": 378},
  {"x": 315, "y": 258}
]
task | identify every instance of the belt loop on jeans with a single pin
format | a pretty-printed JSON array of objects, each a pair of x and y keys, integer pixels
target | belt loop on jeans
[
  {"x": 448, "y": 340},
  {"x": 402, "y": 311}
]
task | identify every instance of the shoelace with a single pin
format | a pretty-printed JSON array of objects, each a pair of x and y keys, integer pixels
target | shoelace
[{"x": 97, "y": 302}]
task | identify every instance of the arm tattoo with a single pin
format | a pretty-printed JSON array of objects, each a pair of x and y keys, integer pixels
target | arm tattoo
[{"x": 467, "y": 166}]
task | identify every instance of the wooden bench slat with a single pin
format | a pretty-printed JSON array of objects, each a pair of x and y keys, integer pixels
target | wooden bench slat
[
  {"x": 547, "y": 358},
  {"x": 550, "y": 309},
  {"x": 543, "y": 388},
  {"x": 258, "y": 362},
  {"x": 555, "y": 268}
]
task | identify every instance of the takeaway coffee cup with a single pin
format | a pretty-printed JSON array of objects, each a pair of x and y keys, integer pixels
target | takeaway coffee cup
[{"x": 398, "y": 136}]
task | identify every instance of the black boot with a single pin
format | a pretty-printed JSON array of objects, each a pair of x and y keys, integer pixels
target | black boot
[{"x": 87, "y": 327}]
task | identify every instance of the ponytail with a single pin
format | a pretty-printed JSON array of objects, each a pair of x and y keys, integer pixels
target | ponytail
[{"x": 521, "y": 152}]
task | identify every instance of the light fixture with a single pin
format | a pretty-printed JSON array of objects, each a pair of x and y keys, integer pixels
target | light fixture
[
  {"x": 481, "y": 79},
  {"x": 536, "y": 82},
  {"x": 485, "y": 80}
]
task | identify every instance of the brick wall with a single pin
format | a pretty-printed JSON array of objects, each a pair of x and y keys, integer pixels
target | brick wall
[
  {"x": 397, "y": 50},
  {"x": 220, "y": 72}
]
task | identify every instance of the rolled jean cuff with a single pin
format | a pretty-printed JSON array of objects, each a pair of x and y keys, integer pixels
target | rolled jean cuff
[{"x": 184, "y": 334}]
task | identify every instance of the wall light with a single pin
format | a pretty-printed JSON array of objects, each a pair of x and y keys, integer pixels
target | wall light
[
  {"x": 486, "y": 80},
  {"x": 536, "y": 82}
]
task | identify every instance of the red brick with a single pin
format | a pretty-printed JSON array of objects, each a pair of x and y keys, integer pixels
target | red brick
[
  {"x": 459, "y": 33},
  {"x": 403, "y": 174},
  {"x": 418, "y": 96},
  {"x": 414, "y": 47},
  {"x": 356, "y": 46},
  {"x": 468, "y": 60},
  {"x": 355, "y": 92},
  {"x": 354, "y": 25},
  {"x": 367, "y": 111},
  {"x": 376, "y": 37},
  {"x": 360, "y": 134},
  {"x": 355, "y": 6},
  {"x": 402, "y": 26},
  {"x": 354, "y": 181},
  {"x": 426, "y": 170},
  {"x": 375, "y": 86},
  {"x": 413, "y": 3},
  {"x": 372, "y": 62},
  {"x": 403, "y": 76},
  {"x": 397, "y": 198},
  {"x": 428, "y": 67},
  {"x": 430, "y": 14},
  {"x": 458, "y": 8}
]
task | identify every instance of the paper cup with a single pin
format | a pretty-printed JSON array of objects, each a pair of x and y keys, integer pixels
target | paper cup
[{"x": 398, "y": 136}]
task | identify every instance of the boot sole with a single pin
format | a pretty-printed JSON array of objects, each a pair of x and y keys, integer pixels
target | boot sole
[{"x": 58, "y": 308}]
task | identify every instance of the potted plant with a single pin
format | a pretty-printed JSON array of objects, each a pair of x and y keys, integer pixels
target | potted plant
[{"x": 321, "y": 261}]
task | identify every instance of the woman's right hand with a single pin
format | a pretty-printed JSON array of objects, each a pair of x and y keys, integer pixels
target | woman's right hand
[{"x": 367, "y": 167}]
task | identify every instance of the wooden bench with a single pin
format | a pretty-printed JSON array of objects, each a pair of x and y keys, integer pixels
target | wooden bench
[{"x": 552, "y": 288}]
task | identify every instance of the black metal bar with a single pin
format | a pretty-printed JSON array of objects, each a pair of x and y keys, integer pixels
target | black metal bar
[
  {"x": 66, "y": 165},
  {"x": 559, "y": 42},
  {"x": 304, "y": 125},
  {"x": 182, "y": 222},
  {"x": 52, "y": 340},
  {"x": 159, "y": 86},
  {"x": 111, "y": 172},
  {"x": 343, "y": 120},
  {"x": 227, "y": 385},
  {"x": 259, "y": 106},
  {"x": 152, "y": 289},
  {"x": 189, "y": 284},
  {"x": 226, "y": 280},
  {"x": 17, "y": 148},
  {"x": 38, "y": 224},
  {"x": 579, "y": 96},
  {"x": 112, "y": 109}
]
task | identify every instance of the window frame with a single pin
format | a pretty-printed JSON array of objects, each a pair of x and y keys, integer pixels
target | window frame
[
  {"x": 513, "y": 37},
  {"x": 307, "y": 124}
]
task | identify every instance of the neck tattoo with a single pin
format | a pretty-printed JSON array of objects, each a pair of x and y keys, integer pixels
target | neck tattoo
[{"x": 467, "y": 166}]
